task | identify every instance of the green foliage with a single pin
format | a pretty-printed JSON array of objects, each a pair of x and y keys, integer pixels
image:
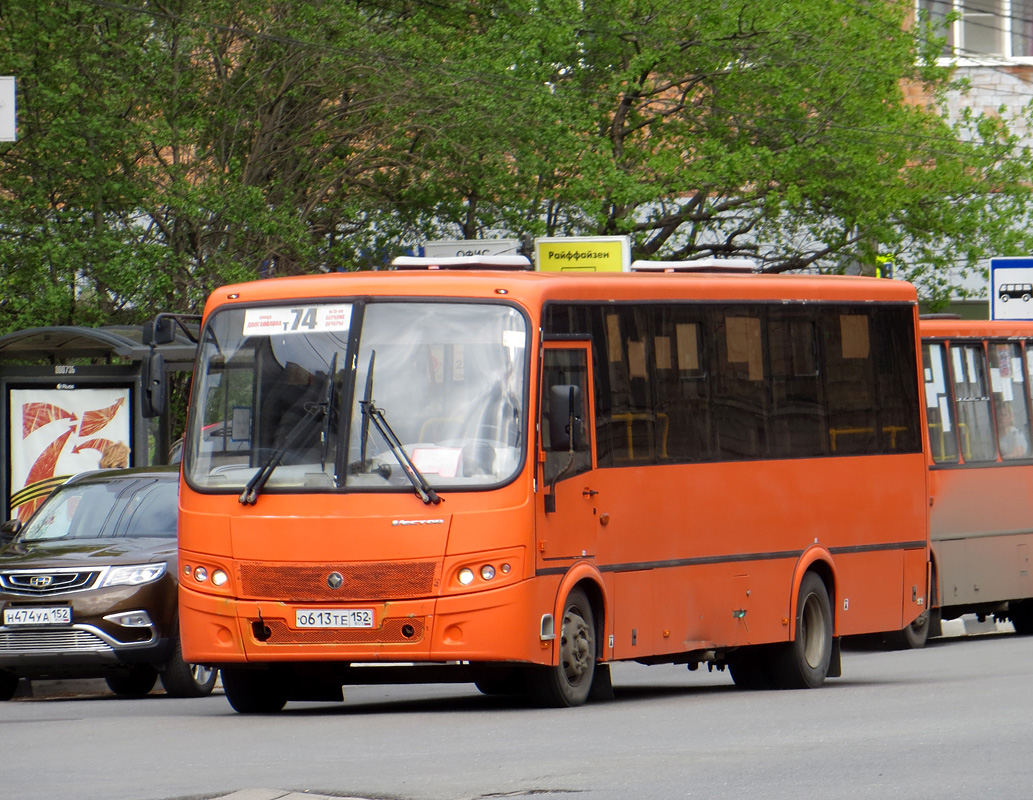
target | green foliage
[{"x": 167, "y": 149}]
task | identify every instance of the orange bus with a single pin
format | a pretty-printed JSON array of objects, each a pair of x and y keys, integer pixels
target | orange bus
[
  {"x": 514, "y": 478},
  {"x": 977, "y": 376}
]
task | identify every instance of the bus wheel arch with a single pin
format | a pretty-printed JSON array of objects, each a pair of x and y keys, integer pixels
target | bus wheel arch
[
  {"x": 807, "y": 658},
  {"x": 817, "y": 561},
  {"x": 587, "y": 579},
  {"x": 569, "y": 680}
]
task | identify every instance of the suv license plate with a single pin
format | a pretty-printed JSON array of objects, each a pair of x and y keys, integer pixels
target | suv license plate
[
  {"x": 333, "y": 617},
  {"x": 38, "y": 615}
]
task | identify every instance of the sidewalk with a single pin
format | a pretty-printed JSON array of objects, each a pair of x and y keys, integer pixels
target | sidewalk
[
  {"x": 82, "y": 687},
  {"x": 61, "y": 688},
  {"x": 279, "y": 794},
  {"x": 968, "y": 625}
]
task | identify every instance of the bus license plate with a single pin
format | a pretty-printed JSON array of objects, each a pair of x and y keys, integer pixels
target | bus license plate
[
  {"x": 333, "y": 617},
  {"x": 38, "y": 615}
]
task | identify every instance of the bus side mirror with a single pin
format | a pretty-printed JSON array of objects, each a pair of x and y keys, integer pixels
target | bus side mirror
[
  {"x": 152, "y": 381},
  {"x": 564, "y": 413},
  {"x": 160, "y": 330}
]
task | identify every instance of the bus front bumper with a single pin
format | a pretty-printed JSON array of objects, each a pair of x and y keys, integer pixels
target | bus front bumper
[{"x": 486, "y": 626}]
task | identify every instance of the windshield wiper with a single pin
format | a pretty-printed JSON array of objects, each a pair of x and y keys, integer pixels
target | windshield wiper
[
  {"x": 370, "y": 413},
  {"x": 303, "y": 427}
]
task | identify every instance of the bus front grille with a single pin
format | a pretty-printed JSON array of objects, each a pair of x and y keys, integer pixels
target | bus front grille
[
  {"x": 385, "y": 580},
  {"x": 393, "y": 631}
]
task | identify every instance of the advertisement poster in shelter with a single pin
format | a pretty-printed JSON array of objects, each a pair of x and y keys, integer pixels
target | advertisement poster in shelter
[{"x": 56, "y": 433}]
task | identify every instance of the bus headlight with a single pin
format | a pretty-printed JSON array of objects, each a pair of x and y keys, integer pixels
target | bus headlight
[
  {"x": 211, "y": 576},
  {"x": 484, "y": 571}
]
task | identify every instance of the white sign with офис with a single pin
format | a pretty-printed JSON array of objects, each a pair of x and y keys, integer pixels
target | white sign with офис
[{"x": 450, "y": 248}]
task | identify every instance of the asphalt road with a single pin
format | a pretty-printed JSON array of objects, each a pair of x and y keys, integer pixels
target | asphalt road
[{"x": 951, "y": 721}]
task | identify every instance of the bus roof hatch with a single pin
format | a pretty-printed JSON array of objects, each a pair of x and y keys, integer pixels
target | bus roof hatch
[
  {"x": 698, "y": 265},
  {"x": 463, "y": 262}
]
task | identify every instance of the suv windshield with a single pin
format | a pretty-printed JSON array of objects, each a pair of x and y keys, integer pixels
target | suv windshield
[
  {"x": 142, "y": 507},
  {"x": 377, "y": 396}
]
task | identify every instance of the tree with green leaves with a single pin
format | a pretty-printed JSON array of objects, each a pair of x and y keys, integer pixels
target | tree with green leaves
[
  {"x": 802, "y": 134},
  {"x": 166, "y": 148}
]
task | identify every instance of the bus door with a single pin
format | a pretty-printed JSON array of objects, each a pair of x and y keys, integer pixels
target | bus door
[{"x": 567, "y": 515}]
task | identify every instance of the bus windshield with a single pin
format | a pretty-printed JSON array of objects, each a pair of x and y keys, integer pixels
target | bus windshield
[{"x": 369, "y": 396}]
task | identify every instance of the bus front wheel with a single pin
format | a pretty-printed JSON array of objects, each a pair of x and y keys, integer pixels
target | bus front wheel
[
  {"x": 254, "y": 691},
  {"x": 569, "y": 682},
  {"x": 804, "y": 662}
]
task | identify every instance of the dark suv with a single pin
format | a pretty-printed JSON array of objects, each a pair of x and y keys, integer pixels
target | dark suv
[{"x": 88, "y": 587}]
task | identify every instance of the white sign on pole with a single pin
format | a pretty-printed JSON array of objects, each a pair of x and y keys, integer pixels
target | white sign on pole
[
  {"x": 449, "y": 248},
  {"x": 7, "y": 109}
]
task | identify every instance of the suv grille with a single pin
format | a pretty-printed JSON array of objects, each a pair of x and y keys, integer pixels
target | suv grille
[
  {"x": 41, "y": 583},
  {"x": 56, "y": 641}
]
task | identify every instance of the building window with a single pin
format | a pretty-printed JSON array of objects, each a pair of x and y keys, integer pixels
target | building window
[{"x": 979, "y": 28}]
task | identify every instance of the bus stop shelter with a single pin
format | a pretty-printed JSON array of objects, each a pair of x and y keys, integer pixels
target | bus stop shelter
[{"x": 74, "y": 399}]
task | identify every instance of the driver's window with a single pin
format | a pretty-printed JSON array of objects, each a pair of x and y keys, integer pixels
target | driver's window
[{"x": 566, "y": 368}]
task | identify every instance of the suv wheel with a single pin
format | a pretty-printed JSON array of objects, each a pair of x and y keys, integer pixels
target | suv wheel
[
  {"x": 181, "y": 679},
  {"x": 135, "y": 683},
  {"x": 8, "y": 685}
]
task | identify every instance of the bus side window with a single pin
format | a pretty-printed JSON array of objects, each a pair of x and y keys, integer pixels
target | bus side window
[
  {"x": 850, "y": 383},
  {"x": 972, "y": 396},
  {"x": 740, "y": 390},
  {"x": 1008, "y": 381},
  {"x": 943, "y": 432},
  {"x": 798, "y": 422},
  {"x": 682, "y": 385}
]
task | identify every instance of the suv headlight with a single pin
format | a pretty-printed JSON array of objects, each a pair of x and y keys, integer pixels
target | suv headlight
[{"x": 134, "y": 575}]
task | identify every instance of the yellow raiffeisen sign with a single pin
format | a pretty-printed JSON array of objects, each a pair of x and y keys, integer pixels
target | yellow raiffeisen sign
[{"x": 582, "y": 254}]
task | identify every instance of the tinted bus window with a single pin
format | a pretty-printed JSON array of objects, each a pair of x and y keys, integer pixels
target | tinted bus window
[
  {"x": 682, "y": 389},
  {"x": 694, "y": 382}
]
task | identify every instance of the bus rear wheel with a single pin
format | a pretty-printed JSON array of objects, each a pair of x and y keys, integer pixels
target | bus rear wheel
[
  {"x": 913, "y": 637},
  {"x": 254, "y": 691},
  {"x": 749, "y": 667},
  {"x": 804, "y": 662},
  {"x": 569, "y": 682},
  {"x": 1021, "y": 615}
]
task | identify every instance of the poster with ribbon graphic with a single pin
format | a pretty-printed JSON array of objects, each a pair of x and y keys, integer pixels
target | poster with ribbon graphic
[{"x": 56, "y": 433}]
